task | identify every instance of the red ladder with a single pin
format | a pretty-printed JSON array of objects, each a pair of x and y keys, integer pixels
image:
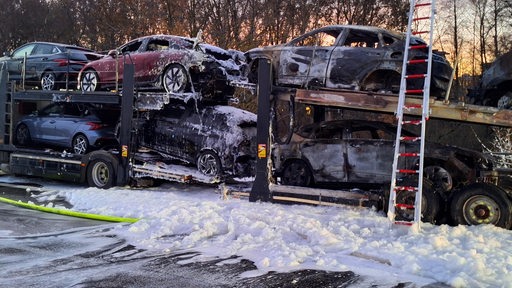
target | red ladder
[{"x": 407, "y": 180}]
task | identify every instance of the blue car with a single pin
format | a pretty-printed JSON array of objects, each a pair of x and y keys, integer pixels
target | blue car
[{"x": 80, "y": 127}]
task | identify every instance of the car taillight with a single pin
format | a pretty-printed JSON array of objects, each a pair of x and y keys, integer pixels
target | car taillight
[
  {"x": 65, "y": 62},
  {"x": 61, "y": 62},
  {"x": 95, "y": 125}
]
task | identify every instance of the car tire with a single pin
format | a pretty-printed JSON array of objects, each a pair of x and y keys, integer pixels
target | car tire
[
  {"x": 296, "y": 173},
  {"x": 48, "y": 81},
  {"x": 89, "y": 81},
  {"x": 100, "y": 173},
  {"x": 481, "y": 203},
  {"x": 175, "y": 79},
  {"x": 80, "y": 144},
  {"x": 208, "y": 163},
  {"x": 430, "y": 202},
  {"x": 22, "y": 135}
]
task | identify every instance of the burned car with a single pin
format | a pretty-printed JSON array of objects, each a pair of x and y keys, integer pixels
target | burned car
[
  {"x": 496, "y": 85},
  {"x": 168, "y": 63},
  {"x": 219, "y": 140},
  {"x": 460, "y": 186},
  {"x": 46, "y": 65},
  {"x": 361, "y": 152},
  {"x": 350, "y": 57}
]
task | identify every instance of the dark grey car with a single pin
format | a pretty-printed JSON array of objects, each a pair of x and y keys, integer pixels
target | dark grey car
[
  {"x": 48, "y": 66},
  {"x": 80, "y": 127},
  {"x": 350, "y": 57}
]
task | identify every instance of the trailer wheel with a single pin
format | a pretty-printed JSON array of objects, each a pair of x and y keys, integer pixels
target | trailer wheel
[
  {"x": 100, "y": 173},
  {"x": 209, "y": 164},
  {"x": 430, "y": 202},
  {"x": 481, "y": 203},
  {"x": 296, "y": 173}
]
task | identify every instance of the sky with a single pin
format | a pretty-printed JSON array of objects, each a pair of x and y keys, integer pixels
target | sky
[{"x": 283, "y": 238}]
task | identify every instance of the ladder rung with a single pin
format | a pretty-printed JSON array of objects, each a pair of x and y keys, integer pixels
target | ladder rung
[
  {"x": 409, "y": 154},
  {"x": 404, "y": 206},
  {"x": 414, "y": 91},
  {"x": 421, "y": 18},
  {"x": 417, "y": 61},
  {"x": 406, "y": 188},
  {"x": 412, "y": 122},
  {"x": 416, "y": 76},
  {"x": 420, "y": 32},
  {"x": 406, "y": 223},
  {"x": 407, "y": 171},
  {"x": 423, "y": 46},
  {"x": 423, "y": 4},
  {"x": 410, "y": 138}
]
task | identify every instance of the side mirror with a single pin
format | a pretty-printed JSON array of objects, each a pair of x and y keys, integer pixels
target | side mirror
[{"x": 113, "y": 53}]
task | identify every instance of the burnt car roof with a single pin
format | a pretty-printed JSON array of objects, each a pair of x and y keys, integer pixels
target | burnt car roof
[{"x": 499, "y": 71}]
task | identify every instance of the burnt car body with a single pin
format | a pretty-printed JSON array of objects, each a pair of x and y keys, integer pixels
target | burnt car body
[
  {"x": 361, "y": 152},
  {"x": 169, "y": 63},
  {"x": 219, "y": 140},
  {"x": 496, "y": 85},
  {"x": 350, "y": 57},
  {"x": 49, "y": 66},
  {"x": 81, "y": 127}
]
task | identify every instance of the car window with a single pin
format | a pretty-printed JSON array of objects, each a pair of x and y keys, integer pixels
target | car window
[
  {"x": 328, "y": 133},
  {"x": 371, "y": 133},
  {"x": 20, "y": 52},
  {"x": 53, "y": 109},
  {"x": 44, "y": 49},
  {"x": 131, "y": 47},
  {"x": 363, "y": 38},
  {"x": 157, "y": 45},
  {"x": 325, "y": 38}
]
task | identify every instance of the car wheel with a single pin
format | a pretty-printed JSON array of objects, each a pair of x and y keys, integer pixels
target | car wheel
[
  {"x": 48, "y": 81},
  {"x": 505, "y": 101},
  {"x": 22, "y": 136},
  {"x": 80, "y": 144},
  {"x": 208, "y": 163},
  {"x": 175, "y": 79},
  {"x": 296, "y": 173},
  {"x": 430, "y": 202},
  {"x": 481, "y": 203},
  {"x": 89, "y": 81},
  {"x": 100, "y": 173}
]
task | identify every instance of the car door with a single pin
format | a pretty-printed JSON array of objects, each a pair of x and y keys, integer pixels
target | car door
[
  {"x": 360, "y": 51},
  {"x": 46, "y": 125},
  {"x": 304, "y": 61},
  {"x": 369, "y": 155},
  {"x": 124, "y": 54},
  {"x": 325, "y": 154},
  {"x": 16, "y": 59}
]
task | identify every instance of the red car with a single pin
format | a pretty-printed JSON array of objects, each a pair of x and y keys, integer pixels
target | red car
[{"x": 168, "y": 63}]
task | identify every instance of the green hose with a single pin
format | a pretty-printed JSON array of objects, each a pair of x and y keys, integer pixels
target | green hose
[{"x": 69, "y": 212}]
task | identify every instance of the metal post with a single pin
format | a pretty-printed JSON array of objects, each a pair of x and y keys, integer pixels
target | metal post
[
  {"x": 126, "y": 123},
  {"x": 260, "y": 189},
  {"x": 4, "y": 79}
]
